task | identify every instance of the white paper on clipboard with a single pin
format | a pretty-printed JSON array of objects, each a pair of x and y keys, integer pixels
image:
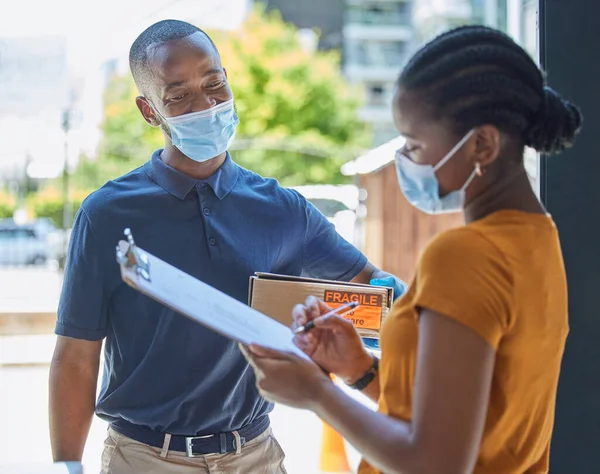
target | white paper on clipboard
[{"x": 200, "y": 302}]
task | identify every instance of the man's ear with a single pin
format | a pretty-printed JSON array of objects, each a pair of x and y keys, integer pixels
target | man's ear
[
  {"x": 147, "y": 111},
  {"x": 487, "y": 145}
]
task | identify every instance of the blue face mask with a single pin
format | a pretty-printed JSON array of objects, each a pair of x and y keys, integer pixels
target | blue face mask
[
  {"x": 204, "y": 135},
  {"x": 421, "y": 187}
]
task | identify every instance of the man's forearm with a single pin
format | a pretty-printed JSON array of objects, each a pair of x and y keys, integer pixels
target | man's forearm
[
  {"x": 72, "y": 402},
  {"x": 366, "y": 274}
]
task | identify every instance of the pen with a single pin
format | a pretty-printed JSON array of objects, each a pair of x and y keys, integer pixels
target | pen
[{"x": 342, "y": 310}]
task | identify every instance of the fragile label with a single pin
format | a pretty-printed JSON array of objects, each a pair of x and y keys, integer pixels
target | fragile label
[{"x": 365, "y": 316}]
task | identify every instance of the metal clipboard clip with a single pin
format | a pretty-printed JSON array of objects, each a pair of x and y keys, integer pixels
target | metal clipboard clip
[{"x": 133, "y": 258}]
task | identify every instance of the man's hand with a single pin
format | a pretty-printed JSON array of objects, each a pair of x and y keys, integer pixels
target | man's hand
[
  {"x": 333, "y": 344},
  {"x": 380, "y": 278},
  {"x": 373, "y": 276}
]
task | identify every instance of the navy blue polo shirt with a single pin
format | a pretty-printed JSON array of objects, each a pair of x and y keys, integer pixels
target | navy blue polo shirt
[{"x": 161, "y": 370}]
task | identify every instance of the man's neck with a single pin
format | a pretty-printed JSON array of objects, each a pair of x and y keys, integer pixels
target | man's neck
[{"x": 175, "y": 159}]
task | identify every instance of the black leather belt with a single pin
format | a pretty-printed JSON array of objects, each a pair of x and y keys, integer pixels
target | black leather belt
[{"x": 220, "y": 443}]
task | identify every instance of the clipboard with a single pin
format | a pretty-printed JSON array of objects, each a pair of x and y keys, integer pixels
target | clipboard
[{"x": 199, "y": 301}]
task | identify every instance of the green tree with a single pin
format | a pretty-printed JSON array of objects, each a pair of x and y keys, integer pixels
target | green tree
[
  {"x": 48, "y": 202},
  {"x": 298, "y": 117},
  {"x": 8, "y": 204}
]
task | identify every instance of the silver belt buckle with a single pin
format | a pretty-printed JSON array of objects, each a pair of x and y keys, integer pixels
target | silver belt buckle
[{"x": 189, "y": 447}]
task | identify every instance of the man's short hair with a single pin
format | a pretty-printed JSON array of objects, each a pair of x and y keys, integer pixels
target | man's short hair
[{"x": 158, "y": 33}]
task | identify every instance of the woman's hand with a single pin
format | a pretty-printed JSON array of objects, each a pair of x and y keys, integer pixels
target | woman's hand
[
  {"x": 333, "y": 343},
  {"x": 286, "y": 378}
]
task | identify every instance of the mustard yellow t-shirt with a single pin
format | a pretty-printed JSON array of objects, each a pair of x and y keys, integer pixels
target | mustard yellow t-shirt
[{"x": 503, "y": 277}]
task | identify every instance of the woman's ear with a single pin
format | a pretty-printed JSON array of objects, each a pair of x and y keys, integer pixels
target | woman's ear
[{"x": 487, "y": 145}]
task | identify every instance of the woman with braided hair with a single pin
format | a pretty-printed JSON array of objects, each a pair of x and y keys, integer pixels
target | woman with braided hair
[{"x": 471, "y": 354}]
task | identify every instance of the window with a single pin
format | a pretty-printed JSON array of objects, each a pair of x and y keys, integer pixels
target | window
[
  {"x": 375, "y": 53},
  {"x": 377, "y": 94},
  {"x": 383, "y": 13},
  {"x": 502, "y": 15}
]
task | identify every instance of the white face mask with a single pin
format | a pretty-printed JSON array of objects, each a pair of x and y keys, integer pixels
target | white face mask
[
  {"x": 204, "y": 135},
  {"x": 421, "y": 187}
]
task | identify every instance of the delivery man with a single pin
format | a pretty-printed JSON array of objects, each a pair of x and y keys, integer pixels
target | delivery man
[{"x": 179, "y": 398}]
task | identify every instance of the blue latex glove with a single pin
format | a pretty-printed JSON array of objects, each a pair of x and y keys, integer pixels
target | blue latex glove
[
  {"x": 399, "y": 289},
  {"x": 391, "y": 282}
]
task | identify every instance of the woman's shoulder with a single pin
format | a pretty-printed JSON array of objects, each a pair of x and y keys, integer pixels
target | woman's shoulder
[
  {"x": 467, "y": 239},
  {"x": 461, "y": 247}
]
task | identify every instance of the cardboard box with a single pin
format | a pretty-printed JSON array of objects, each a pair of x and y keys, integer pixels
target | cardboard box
[{"x": 276, "y": 296}]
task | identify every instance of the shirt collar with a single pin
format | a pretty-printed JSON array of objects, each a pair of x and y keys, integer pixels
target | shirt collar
[{"x": 179, "y": 184}]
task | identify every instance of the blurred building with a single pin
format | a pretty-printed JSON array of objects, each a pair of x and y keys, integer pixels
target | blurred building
[
  {"x": 374, "y": 37},
  {"x": 327, "y": 17},
  {"x": 378, "y": 35},
  {"x": 515, "y": 17}
]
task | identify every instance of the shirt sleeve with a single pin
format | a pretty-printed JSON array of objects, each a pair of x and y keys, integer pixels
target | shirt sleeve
[
  {"x": 326, "y": 254},
  {"x": 82, "y": 310},
  {"x": 463, "y": 276}
]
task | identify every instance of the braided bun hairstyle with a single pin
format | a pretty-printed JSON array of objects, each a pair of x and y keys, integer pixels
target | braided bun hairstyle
[{"x": 475, "y": 75}]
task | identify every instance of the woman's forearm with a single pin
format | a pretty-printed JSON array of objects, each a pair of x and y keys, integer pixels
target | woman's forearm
[
  {"x": 356, "y": 371},
  {"x": 385, "y": 442},
  {"x": 372, "y": 391}
]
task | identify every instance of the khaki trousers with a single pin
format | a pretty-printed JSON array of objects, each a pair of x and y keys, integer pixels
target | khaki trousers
[{"x": 122, "y": 455}]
